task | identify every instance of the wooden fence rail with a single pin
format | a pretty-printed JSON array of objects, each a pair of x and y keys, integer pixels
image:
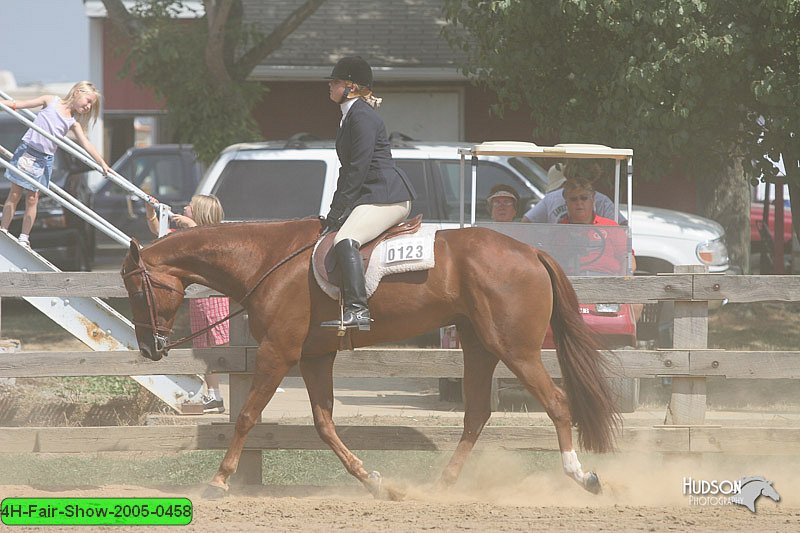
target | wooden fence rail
[
  {"x": 689, "y": 364},
  {"x": 399, "y": 362},
  {"x": 680, "y": 286}
]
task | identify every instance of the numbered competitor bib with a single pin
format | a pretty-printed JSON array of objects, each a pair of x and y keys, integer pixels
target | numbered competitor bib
[{"x": 401, "y": 249}]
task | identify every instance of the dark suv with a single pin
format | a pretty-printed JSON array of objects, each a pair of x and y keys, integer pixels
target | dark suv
[
  {"x": 170, "y": 172},
  {"x": 60, "y": 236}
]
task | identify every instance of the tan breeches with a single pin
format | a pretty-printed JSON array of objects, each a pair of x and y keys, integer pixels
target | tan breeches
[{"x": 368, "y": 221}]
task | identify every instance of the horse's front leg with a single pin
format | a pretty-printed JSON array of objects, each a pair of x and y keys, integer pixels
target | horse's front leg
[
  {"x": 479, "y": 366},
  {"x": 272, "y": 364},
  {"x": 317, "y": 373}
]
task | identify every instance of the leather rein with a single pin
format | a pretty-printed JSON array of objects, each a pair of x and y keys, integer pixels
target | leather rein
[{"x": 160, "y": 333}]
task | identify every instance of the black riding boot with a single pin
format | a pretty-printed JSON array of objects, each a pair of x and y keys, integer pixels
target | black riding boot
[{"x": 354, "y": 293}]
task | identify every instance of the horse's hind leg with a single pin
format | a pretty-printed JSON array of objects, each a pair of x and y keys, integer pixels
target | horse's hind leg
[
  {"x": 533, "y": 375},
  {"x": 317, "y": 372},
  {"x": 479, "y": 365},
  {"x": 270, "y": 370}
]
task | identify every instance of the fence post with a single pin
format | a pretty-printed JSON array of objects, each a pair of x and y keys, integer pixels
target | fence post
[
  {"x": 687, "y": 405},
  {"x": 249, "y": 471}
]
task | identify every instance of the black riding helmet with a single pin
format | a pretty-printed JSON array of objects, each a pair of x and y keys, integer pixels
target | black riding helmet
[{"x": 352, "y": 69}]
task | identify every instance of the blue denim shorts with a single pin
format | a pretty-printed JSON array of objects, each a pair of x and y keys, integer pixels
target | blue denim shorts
[{"x": 37, "y": 165}]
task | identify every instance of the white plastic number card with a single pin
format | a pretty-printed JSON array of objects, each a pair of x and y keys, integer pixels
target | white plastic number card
[{"x": 407, "y": 249}]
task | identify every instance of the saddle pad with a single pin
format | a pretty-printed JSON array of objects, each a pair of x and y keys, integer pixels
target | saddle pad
[{"x": 406, "y": 253}]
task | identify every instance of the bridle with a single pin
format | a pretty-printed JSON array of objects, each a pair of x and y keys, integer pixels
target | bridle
[{"x": 160, "y": 333}]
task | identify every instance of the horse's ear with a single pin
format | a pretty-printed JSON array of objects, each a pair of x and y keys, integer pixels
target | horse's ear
[{"x": 134, "y": 250}]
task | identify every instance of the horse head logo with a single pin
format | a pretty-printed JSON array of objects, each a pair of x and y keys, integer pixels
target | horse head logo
[{"x": 753, "y": 488}]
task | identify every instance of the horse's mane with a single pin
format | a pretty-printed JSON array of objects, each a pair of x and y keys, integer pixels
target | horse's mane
[{"x": 232, "y": 228}]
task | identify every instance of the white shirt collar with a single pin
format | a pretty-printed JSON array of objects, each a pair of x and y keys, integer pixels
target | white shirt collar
[{"x": 345, "y": 108}]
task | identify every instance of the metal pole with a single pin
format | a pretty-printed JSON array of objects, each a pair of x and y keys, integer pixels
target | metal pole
[
  {"x": 81, "y": 154},
  {"x": 103, "y": 226},
  {"x": 616, "y": 190},
  {"x": 461, "y": 194},
  {"x": 474, "y": 187},
  {"x": 629, "y": 229},
  {"x": 630, "y": 188},
  {"x": 55, "y": 191}
]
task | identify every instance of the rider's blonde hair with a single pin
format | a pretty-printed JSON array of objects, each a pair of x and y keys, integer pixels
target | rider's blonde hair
[
  {"x": 206, "y": 209},
  {"x": 85, "y": 87},
  {"x": 365, "y": 93}
]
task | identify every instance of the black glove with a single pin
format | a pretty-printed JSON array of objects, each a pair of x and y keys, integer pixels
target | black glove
[{"x": 330, "y": 223}]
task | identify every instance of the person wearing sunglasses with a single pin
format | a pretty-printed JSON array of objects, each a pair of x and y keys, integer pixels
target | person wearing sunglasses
[
  {"x": 552, "y": 209},
  {"x": 503, "y": 202},
  {"x": 605, "y": 252}
]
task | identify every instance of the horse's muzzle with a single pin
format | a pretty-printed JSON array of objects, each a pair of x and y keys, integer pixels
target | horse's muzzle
[{"x": 148, "y": 353}]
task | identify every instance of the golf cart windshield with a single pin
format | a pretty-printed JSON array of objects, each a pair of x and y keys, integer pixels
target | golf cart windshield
[{"x": 599, "y": 249}]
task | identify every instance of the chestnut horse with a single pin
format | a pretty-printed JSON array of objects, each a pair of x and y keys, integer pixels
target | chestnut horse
[{"x": 500, "y": 293}]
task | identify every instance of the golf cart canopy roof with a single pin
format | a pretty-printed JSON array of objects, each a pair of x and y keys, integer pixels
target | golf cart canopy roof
[{"x": 525, "y": 149}]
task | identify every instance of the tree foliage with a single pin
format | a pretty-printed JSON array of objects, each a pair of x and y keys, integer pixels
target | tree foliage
[
  {"x": 199, "y": 66},
  {"x": 704, "y": 88}
]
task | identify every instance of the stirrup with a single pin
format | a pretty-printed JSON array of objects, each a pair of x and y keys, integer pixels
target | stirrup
[{"x": 355, "y": 319}]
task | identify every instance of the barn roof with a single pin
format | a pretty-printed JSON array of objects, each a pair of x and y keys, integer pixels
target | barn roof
[{"x": 401, "y": 39}]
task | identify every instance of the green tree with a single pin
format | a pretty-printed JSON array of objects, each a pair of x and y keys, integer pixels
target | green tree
[
  {"x": 704, "y": 88},
  {"x": 200, "y": 66}
]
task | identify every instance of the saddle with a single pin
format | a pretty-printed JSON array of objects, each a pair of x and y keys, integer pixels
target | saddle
[{"x": 324, "y": 260}]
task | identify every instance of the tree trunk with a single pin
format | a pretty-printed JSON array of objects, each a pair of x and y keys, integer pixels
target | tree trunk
[
  {"x": 791, "y": 163},
  {"x": 726, "y": 199}
]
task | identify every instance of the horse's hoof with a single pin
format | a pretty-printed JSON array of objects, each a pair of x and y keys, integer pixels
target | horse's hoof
[
  {"x": 381, "y": 490},
  {"x": 374, "y": 485},
  {"x": 214, "y": 492},
  {"x": 592, "y": 483}
]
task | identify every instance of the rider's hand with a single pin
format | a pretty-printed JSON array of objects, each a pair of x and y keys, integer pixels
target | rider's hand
[{"x": 330, "y": 224}]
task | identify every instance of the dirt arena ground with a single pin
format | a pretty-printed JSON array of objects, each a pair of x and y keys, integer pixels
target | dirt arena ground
[{"x": 641, "y": 493}]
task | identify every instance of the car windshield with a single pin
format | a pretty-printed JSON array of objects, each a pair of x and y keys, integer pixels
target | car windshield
[{"x": 271, "y": 190}]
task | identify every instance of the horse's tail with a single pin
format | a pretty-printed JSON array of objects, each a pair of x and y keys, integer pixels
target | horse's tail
[{"x": 583, "y": 366}]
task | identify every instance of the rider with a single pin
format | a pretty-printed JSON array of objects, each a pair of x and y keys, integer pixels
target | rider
[{"x": 372, "y": 194}]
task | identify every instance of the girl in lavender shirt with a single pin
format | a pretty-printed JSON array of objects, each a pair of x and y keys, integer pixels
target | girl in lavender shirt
[{"x": 34, "y": 155}]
